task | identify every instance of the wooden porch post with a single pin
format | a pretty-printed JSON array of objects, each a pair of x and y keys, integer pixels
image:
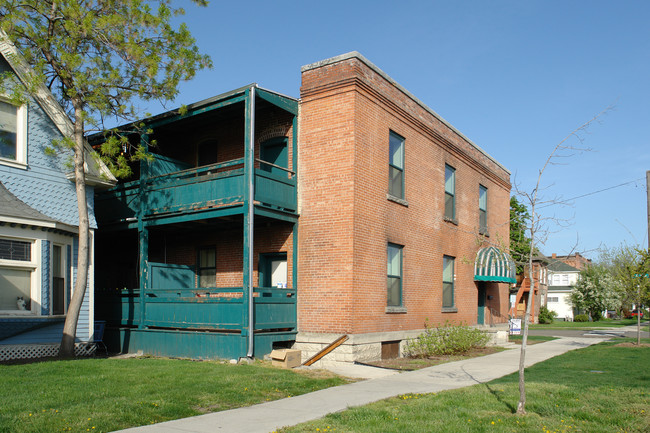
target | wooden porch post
[
  {"x": 143, "y": 234},
  {"x": 294, "y": 152}
]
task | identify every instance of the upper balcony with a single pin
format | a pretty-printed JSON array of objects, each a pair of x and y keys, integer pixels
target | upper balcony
[{"x": 207, "y": 161}]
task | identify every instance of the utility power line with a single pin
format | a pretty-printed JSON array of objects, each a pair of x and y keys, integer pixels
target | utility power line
[{"x": 591, "y": 193}]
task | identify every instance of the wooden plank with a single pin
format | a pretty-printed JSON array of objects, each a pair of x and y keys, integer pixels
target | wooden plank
[
  {"x": 228, "y": 100},
  {"x": 326, "y": 350},
  {"x": 287, "y": 104}
]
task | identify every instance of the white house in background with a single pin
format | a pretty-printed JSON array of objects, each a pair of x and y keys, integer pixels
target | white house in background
[{"x": 562, "y": 278}]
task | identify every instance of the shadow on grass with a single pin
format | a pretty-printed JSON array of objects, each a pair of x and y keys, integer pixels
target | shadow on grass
[
  {"x": 497, "y": 395},
  {"x": 46, "y": 359}
]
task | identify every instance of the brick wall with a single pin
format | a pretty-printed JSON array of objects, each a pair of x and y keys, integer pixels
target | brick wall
[
  {"x": 182, "y": 248},
  {"x": 576, "y": 260},
  {"x": 348, "y": 108},
  {"x": 180, "y": 140}
]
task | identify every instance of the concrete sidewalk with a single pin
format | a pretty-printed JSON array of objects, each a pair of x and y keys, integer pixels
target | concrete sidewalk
[{"x": 268, "y": 417}]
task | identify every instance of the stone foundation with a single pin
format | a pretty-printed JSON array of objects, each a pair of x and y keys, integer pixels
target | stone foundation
[{"x": 367, "y": 347}]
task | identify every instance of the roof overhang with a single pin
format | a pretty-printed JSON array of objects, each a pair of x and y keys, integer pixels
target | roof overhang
[
  {"x": 494, "y": 265},
  {"x": 97, "y": 172},
  {"x": 239, "y": 95}
]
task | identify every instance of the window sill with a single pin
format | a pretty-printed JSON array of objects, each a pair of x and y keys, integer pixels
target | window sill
[
  {"x": 396, "y": 310},
  {"x": 397, "y": 200},
  {"x": 451, "y": 220},
  {"x": 13, "y": 163},
  {"x": 16, "y": 313},
  {"x": 450, "y": 310}
]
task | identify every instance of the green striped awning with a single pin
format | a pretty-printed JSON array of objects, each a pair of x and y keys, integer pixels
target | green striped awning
[{"x": 492, "y": 264}]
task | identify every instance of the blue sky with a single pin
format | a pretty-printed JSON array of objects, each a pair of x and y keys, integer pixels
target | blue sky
[{"x": 516, "y": 77}]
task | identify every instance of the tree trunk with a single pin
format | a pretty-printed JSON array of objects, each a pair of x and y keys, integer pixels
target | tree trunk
[
  {"x": 521, "y": 405},
  {"x": 72, "y": 317},
  {"x": 638, "y": 325}
]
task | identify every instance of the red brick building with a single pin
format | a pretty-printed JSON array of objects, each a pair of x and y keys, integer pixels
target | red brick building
[
  {"x": 576, "y": 260},
  {"x": 383, "y": 178},
  {"x": 355, "y": 211}
]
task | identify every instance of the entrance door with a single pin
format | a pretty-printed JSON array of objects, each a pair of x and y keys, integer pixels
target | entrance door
[
  {"x": 273, "y": 270},
  {"x": 480, "y": 320},
  {"x": 275, "y": 151},
  {"x": 207, "y": 152}
]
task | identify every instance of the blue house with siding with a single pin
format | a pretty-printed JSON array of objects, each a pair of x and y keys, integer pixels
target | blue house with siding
[{"x": 39, "y": 223}]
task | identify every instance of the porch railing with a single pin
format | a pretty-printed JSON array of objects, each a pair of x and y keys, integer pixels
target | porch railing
[
  {"x": 194, "y": 190},
  {"x": 213, "y": 309}
]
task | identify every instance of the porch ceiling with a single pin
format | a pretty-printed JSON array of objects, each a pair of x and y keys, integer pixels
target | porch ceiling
[{"x": 229, "y": 222}]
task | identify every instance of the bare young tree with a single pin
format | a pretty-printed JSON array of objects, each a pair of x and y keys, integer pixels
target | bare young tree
[{"x": 537, "y": 228}]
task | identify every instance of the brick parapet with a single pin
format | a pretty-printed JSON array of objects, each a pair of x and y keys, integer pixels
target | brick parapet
[{"x": 353, "y": 71}]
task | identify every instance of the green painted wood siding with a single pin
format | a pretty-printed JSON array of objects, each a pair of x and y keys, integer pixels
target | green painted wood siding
[
  {"x": 193, "y": 190},
  {"x": 172, "y": 301}
]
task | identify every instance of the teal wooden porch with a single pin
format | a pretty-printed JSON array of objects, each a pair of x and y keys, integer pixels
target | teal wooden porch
[{"x": 195, "y": 192}]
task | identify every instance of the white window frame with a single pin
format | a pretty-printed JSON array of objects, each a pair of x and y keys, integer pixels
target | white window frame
[
  {"x": 21, "y": 136},
  {"x": 33, "y": 268}
]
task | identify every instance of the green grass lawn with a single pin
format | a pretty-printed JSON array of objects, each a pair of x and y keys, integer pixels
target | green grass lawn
[
  {"x": 604, "y": 323},
  {"x": 101, "y": 395},
  {"x": 599, "y": 389}
]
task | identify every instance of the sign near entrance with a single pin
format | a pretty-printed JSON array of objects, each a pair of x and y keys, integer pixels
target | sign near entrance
[{"x": 515, "y": 326}]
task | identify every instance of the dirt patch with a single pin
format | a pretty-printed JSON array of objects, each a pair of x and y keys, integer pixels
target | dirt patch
[
  {"x": 410, "y": 364},
  {"x": 315, "y": 373},
  {"x": 630, "y": 344}
]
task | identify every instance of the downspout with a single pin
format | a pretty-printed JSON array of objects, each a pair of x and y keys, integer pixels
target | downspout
[{"x": 249, "y": 228}]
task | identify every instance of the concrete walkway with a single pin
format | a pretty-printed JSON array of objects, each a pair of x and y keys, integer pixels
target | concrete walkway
[{"x": 268, "y": 417}]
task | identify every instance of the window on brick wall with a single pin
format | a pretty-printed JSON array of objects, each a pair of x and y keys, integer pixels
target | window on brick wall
[
  {"x": 394, "y": 273},
  {"x": 448, "y": 282},
  {"x": 482, "y": 210},
  {"x": 396, "y": 166},
  {"x": 450, "y": 193},
  {"x": 207, "y": 152},
  {"x": 13, "y": 143},
  {"x": 207, "y": 269}
]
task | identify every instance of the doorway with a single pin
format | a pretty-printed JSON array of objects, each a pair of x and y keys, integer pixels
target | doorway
[
  {"x": 480, "y": 319},
  {"x": 273, "y": 270},
  {"x": 274, "y": 151}
]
